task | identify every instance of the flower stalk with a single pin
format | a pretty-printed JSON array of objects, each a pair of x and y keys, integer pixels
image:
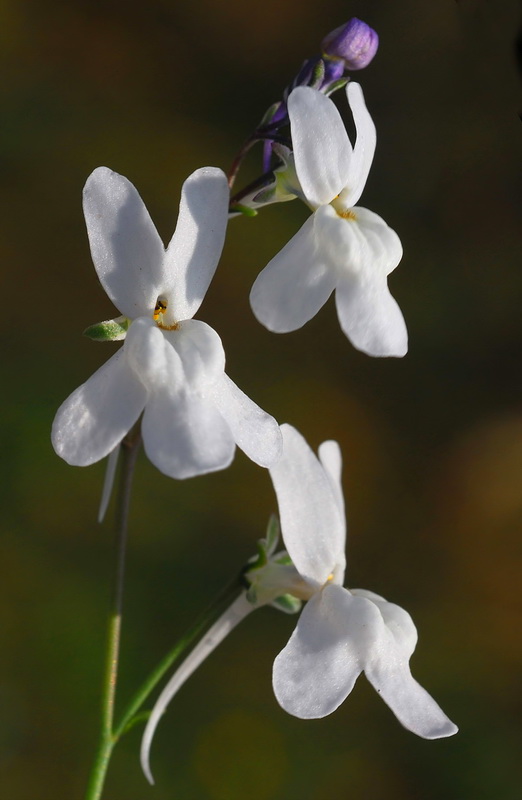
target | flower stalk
[
  {"x": 133, "y": 714},
  {"x": 129, "y": 451}
]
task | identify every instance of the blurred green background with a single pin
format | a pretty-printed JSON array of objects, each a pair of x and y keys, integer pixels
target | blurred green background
[{"x": 432, "y": 443}]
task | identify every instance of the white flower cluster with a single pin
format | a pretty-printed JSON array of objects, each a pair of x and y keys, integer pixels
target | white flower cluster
[{"x": 170, "y": 371}]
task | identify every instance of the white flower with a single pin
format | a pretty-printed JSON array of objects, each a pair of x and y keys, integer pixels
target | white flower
[
  {"x": 341, "y": 246},
  {"x": 340, "y": 632},
  {"x": 170, "y": 366}
]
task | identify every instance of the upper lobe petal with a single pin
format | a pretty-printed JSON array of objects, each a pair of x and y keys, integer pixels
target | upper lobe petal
[
  {"x": 195, "y": 249},
  {"x": 330, "y": 457},
  {"x": 364, "y": 148},
  {"x": 312, "y": 524},
  {"x": 126, "y": 249},
  {"x": 322, "y": 150}
]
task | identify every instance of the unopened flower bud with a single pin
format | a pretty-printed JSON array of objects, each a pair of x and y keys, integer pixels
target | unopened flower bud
[{"x": 355, "y": 43}]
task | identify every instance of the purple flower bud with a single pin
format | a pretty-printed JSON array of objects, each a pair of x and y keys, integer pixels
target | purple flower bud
[{"x": 355, "y": 43}]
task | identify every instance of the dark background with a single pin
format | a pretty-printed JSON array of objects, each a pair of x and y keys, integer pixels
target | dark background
[{"x": 432, "y": 443}]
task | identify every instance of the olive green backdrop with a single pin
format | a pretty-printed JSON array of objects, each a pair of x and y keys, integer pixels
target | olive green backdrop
[{"x": 432, "y": 443}]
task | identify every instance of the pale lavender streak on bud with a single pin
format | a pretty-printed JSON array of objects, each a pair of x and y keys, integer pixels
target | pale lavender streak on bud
[
  {"x": 333, "y": 71},
  {"x": 281, "y": 117},
  {"x": 355, "y": 43}
]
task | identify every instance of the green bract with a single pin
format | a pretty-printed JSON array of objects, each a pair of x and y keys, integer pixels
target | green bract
[{"x": 111, "y": 330}]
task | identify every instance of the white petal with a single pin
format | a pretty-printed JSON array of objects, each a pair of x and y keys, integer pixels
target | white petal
[
  {"x": 195, "y": 249},
  {"x": 311, "y": 523},
  {"x": 330, "y": 457},
  {"x": 370, "y": 317},
  {"x": 411, "y": 704},
  {"x": 254, "y": 431},
  {"x": 214, "y": 636},
  {"x": 126, "y": 249},
  {"x": 322, "y": 150},
  {"x": 396, "y": 619},
  {"x": 317, "y": 669},
  {"x": 387, "y": 669},
  {"x": 362, "y": 242},
  {"x": 361, "y": 251},
  {"x": 185, "y": 435},
  {"x": 364, "y": 148},
  {"x": 383, "y": 248},
  {"x": 183, "y": 432},
  {"x": 190, "y": 356},
  {"x": 201, "y": 352},
  {"x": 150, "y": 354},
  {"x": 294, "y": 285},
  {"x": 108, "y": 483},
  {"x": 96, "y": 417}
]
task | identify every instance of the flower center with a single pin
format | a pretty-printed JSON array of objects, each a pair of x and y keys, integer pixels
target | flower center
[
  {"x": 347, "y": 214},
  {"x": 342, "y": 209},
  {"x": 159, "y": 310}
]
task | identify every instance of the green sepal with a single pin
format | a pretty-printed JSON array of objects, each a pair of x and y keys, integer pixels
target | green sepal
[
  {"x": 340, "y": 84},
  {"x": 112, "y": 330},
  {"x": 317, "y": 75},
  {"x": 251, "y": 594},
  {"x": 287, "y": 603},
  {"x": 269, "y": 114},
  {"x": 238, "y": 208},
  {"x": 284, "y": 559},
  {"x": 266, "y": 546},
  {"x": 266, "y": 195},
  {"x": 273, "y": 532}
]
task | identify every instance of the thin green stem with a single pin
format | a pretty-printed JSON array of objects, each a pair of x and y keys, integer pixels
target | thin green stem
[
  {"x": 202, "y": 623},
  {"x": 129, "y": 451}
]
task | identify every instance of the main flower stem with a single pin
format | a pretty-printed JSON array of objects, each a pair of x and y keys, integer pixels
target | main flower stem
[
  {"x": 110, "y": 732},
  {"x": 129, "y": 451}
]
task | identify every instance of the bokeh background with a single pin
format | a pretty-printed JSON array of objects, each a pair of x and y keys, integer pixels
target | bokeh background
[{"x": 432, "y": 443}]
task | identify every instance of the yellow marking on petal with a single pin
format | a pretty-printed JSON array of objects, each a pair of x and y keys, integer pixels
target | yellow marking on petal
[
  {"x": 160, "y": 308},
  {"x": 348, "y": 214},
  {"x": 330, "y": 577},
  {"x": 173, "y": 327}
]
